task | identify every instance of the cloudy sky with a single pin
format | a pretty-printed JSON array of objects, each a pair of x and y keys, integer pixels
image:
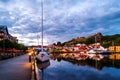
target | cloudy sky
[{"x": 63, "y": 19}]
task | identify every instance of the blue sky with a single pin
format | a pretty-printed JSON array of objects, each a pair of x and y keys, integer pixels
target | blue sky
[{"x": 63, "y": 19}]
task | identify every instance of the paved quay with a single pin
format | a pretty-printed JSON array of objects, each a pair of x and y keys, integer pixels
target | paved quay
[{"x": 17, "y": 68}]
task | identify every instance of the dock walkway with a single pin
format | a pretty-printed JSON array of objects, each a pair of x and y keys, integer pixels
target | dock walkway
[{"x": 17, "y": 68}]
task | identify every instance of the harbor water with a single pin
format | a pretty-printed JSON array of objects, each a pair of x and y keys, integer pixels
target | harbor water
[{"x": 67, "y": 70}]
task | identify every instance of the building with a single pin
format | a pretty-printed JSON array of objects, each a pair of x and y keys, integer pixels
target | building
[
  {"x": 114, "y": 48},
  {"x": 4, "y": 34}
]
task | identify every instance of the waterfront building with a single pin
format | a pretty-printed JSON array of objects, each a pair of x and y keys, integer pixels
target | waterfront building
[
  {"x": 80, "y": 47},
  {"x": 114, "y": 48},
  {"x": 4, "y": 34}
]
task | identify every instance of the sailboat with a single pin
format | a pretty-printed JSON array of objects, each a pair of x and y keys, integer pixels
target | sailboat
[{"x": 42, "y": 55}]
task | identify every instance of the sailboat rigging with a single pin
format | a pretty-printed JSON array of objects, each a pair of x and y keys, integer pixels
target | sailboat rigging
[
  {"x": 42, "y": 55},
  {"x": 42, "y": 22}
]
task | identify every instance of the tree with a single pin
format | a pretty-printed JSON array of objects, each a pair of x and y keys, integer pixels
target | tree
[
  {"x": 59, "y": 43},
  {"x": 6, "y": 44},
  {"x": 9, "y": 44},
  {"x": 54, "y": 44}
]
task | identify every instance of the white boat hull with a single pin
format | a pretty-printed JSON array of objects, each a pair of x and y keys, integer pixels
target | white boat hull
[{"x": 42, "y": 57}]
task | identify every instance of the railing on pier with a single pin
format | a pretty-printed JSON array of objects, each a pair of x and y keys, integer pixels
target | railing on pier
[{"x": 35, "y": 71}]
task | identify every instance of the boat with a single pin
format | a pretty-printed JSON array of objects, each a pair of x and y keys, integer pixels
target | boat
[
  {"x": 42, "y": 55},
  {"x": 95, "y": 55}
]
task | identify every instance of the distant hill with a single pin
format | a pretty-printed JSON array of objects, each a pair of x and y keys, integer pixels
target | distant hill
[{"x": 104, "y": 40}]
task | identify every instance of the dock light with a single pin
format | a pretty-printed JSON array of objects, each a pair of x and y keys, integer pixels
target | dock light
[{"x": 29, "y": 54}]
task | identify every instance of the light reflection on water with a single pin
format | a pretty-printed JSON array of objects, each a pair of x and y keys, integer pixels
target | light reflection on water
[{"x": 64, "y": 70}]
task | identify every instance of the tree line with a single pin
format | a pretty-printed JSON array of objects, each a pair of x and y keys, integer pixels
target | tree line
[
  {"x": 12, "y": 45},
  {"x": 105, "y": 41}
]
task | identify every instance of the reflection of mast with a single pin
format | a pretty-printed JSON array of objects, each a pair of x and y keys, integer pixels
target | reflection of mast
[
  {"x": 96, "y": 63},
  {"x": 42, "y": 67},
  {"x": 42, "y": 74}
]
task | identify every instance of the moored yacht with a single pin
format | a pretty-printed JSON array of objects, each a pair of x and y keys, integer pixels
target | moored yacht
[{"x": 42, "y": 56}]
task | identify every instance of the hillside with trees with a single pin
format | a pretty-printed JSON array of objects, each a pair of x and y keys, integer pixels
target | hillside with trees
[{"x": 104, "y": 40}]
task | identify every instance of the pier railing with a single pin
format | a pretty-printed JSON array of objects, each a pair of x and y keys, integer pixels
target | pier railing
[{"x": 35, "y": 71}]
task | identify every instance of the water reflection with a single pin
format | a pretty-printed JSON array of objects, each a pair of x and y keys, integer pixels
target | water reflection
[
  {"x": 92, "y": 63},
  {"x": 66, "y": 69},
  {"x": 42, "y": 67}
]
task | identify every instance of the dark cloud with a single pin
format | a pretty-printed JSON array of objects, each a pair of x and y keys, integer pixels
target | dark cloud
[{"x": 63, "y": 19}]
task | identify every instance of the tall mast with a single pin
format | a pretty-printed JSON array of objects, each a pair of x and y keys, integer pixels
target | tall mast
[{"x": 42, "y": 23}]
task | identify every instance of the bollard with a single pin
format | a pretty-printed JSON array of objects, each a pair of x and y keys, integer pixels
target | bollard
[{"x": 29, "y": 58}]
